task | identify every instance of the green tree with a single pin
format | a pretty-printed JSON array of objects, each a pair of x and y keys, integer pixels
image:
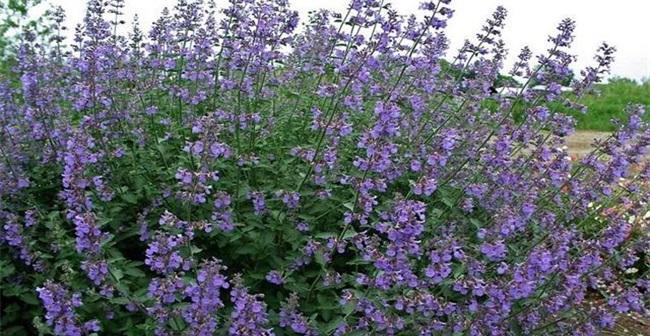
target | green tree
[{"x": 16, "y": 17}]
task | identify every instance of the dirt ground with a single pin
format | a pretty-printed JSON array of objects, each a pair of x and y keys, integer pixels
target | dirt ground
[{"x": 580, "y": 143}]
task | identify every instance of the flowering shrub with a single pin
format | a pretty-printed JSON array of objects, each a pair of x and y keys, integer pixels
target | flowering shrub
[{"x": 235, "y": 173}]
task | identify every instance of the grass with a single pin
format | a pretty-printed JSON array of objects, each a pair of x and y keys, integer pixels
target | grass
[{"x": 609, "y": 103}]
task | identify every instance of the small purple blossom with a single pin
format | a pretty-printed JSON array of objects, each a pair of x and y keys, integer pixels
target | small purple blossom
[
  {"x": 259, "y": 203},
  {"x": 274, "y": 277}
]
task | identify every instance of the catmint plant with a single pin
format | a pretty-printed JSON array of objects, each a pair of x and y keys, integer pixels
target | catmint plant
[{"x": 238, "y": 170}]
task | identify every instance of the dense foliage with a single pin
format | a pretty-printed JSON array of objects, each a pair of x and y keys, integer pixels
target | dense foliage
[{"x": 235, "y": 173}]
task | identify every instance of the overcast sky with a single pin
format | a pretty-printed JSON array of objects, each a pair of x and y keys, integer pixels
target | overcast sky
[{"x": 623, "y": 23}]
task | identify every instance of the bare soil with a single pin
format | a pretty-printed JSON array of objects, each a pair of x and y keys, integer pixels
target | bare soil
[{"x": 580, "y": 143}]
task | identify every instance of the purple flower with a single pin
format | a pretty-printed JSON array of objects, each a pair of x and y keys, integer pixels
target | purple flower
[
  {"x": 259, "y": 204},
  {"x": 13, "y": 234},
  {"x": 205, "y": 298},
  {"x": 60, "y": 308},
  {"x": 89, "y": 236},
  {"x": 163, "y": 252},
  {"x": 495, "y": 251},
  {"x": 274, "y": 277},
  {"x": 292, "y": 318},
  {"x": 249, "y": 315},
  {"x": 290, "y": 199},
  {"x": 302, "y": 227},
  {"x": 96, "y": 270}
]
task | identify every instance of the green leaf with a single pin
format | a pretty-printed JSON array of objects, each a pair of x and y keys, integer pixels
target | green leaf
[
  {"x": 320, "y": 259},
  {"x": 29, "y": 298},
  {"x": 348, "y": 308},
  {"x": 117, "y": 273},
  {"x": 177, "y": 324},
  {"x": 477, "y": 223},
  {"x": 447, "y": 201},
  {"x": 130, "y": 198},
  {"x": 458, "y": 270},
  {"x": 6, "y": 269},
  {"x": 325, "y": 235},
  {"x": 516, "y": 329},
  {"x": 333, "y": 324},
  {"x": 132, "y": 271},
  {"x": 245, "y": 249},
  {"x": 120, "y": 300},
  {"x": 350, "y": 233}
]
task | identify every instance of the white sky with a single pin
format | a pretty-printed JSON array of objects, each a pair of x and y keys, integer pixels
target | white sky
[{"x": 623, "y": 23}]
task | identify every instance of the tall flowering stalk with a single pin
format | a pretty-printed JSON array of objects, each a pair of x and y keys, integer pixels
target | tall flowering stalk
[{"x": 60, "y": 308}]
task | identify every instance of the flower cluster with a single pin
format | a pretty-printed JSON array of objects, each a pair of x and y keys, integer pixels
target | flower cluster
[
  {"x": 204, "y": 296},
  {"x": 249, "y": 316},
  {"x": 60, "y": 306},
  {"x": 292, "y": 319},
  {"x": 13, "y": 234}
]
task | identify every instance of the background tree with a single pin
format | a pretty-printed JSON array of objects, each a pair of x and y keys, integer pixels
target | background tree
[{"x": 17, "y": 16}]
